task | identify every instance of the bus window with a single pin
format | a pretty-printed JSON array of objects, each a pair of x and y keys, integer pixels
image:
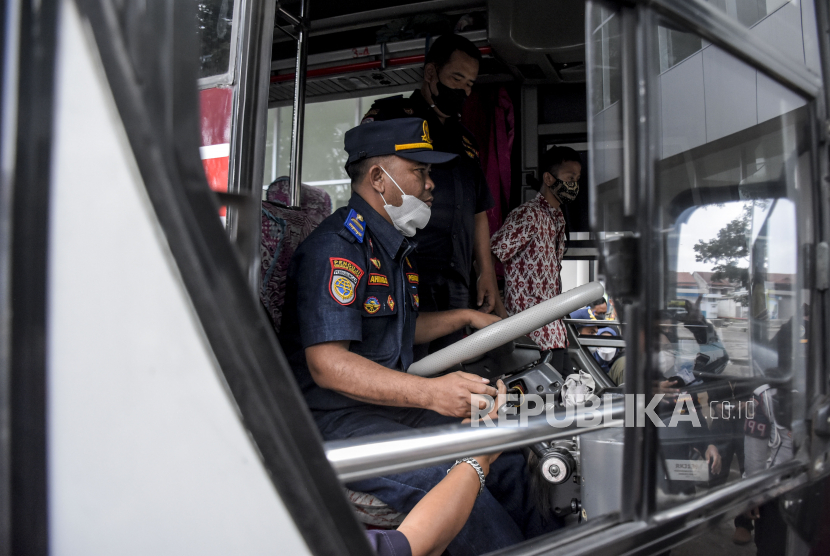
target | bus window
[
  {"x": 215, "y": 24},
  {"x": 788, "y": 26},
  {"x": 323, "y": 156},
  {"x": 704, "y": 205},
  {"x": 731, "y": 312}
]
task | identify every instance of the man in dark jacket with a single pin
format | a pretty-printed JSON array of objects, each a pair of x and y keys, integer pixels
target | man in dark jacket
[{"x": 458, "y": 232}]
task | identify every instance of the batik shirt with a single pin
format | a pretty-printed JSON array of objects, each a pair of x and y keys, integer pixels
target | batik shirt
[{"x": 530, "y": 244}]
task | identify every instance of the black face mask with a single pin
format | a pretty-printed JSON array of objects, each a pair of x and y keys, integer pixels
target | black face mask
[{"x": 449, "y": 101}]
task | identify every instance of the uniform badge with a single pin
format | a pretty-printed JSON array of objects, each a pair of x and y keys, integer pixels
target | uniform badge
[
  {"x": 408, "y": 111},
  {"x": 378, "y": 280},
  {"x": 354, "y": 223},
  {"x": 345, "y": 276},
  {"x": 391, "y": 303},
  {"x": 412, "y": 278},
  {"x": 372, "y": 305},
  {"x": 375, "y": 261},
  {"x": 409, "y": 264},
  {"x": 416, "y": 300}
]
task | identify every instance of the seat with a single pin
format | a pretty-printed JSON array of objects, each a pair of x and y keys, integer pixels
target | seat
[{"x": 283, "y": 229}]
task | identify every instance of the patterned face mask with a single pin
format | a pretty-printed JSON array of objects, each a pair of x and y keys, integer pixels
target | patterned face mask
[{"x": 565, "y": 191}]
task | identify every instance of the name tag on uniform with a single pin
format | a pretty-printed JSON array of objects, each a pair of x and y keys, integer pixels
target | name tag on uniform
[{"x": 378, "y": 280}]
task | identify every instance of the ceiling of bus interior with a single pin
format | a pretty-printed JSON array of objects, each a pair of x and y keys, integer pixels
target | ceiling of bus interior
[{"x": 532, "y": 41}]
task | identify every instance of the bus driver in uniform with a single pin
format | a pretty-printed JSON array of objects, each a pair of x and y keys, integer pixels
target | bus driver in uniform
[{"x": 351, "y": 319}]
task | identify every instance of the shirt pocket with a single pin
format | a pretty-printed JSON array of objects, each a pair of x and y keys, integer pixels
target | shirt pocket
[
  {"x": 379, "y": 302},
  {"x": 379, "y": 327}
]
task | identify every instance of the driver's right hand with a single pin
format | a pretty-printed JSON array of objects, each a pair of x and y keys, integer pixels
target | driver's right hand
[
  {"x": 453, "y": 394},
  {"x": 479, "y": 320}
]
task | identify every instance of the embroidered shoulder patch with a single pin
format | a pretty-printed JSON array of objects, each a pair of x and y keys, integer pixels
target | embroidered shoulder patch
[
  {"x": 409, "y": 264},
  {"x": 375, "y": 261},
  {"x": 372, "y": 305},
  {"x": 416, "y": 300},
  {"x": 378, "y": 280},
  {"x": 391, "y": 303},
  {"x": 345, "y": 276},
  {"x": 412, "y": 278},
  {"x": 354, "y": 223}
]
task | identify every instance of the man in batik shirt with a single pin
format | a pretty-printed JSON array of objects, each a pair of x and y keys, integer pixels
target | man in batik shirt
[{"x": 531, "y": 243}]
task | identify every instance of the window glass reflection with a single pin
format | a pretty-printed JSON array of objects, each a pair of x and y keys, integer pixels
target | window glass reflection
[
  {"x": 732, "y": 312},
  {"x": 787, "y": 25},
  {"x": 214, "y": 23}
]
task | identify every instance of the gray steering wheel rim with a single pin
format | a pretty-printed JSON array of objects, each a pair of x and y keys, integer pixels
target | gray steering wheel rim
[{"x": 507, "y": 330}]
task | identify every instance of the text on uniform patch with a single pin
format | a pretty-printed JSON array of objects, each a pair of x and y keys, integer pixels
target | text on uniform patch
[{"x": 378, "y": 280}]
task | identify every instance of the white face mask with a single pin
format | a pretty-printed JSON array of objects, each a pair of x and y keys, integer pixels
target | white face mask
[
  {"x": 665, "y": 363},
  {"x": 411, "y": 215},
  {"x": 607, "y": 353}
]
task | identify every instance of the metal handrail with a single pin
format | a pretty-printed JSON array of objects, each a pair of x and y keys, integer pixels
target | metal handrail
[
  {"x": 295, "y": 170},
  {"x": 713, "y": 499},
  {"x": 600, "y": 341},
  {"x": 361, "y": 458}
]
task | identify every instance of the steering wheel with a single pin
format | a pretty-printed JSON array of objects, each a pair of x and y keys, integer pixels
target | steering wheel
[{"x": 507, "y": 330}]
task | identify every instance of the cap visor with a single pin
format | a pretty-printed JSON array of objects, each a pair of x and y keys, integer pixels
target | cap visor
[{"x": 426, "y": 156}]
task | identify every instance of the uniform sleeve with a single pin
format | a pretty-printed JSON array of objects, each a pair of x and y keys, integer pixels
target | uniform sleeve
[
  {"x": 388, "y": 108},
  {"x": 484, "y": 199},
  {"x": 514, "y": 235},
  {"x": 389, "y": 543},
  {"x": 330, "y": 275}
]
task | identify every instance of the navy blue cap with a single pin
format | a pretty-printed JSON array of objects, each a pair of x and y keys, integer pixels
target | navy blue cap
[{"x": 404, "y": 137}]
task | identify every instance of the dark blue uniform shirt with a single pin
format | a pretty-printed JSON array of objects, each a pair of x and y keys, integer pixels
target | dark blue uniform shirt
[{"x": 342, "y": 288}]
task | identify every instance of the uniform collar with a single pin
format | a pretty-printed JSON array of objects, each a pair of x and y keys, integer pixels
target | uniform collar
[
  {"x": 421, "y": 108},
  {"x": 384, "y": 232}
]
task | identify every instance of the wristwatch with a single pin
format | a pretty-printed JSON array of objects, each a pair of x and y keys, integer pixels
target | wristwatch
[{"x": 476, "y": 466}]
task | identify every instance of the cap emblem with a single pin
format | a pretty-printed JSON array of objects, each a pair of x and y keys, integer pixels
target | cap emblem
[{"x": 425, "y": 137}]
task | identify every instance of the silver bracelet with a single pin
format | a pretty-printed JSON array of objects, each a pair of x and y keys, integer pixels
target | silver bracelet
[{"x": 476, "y": 466}]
